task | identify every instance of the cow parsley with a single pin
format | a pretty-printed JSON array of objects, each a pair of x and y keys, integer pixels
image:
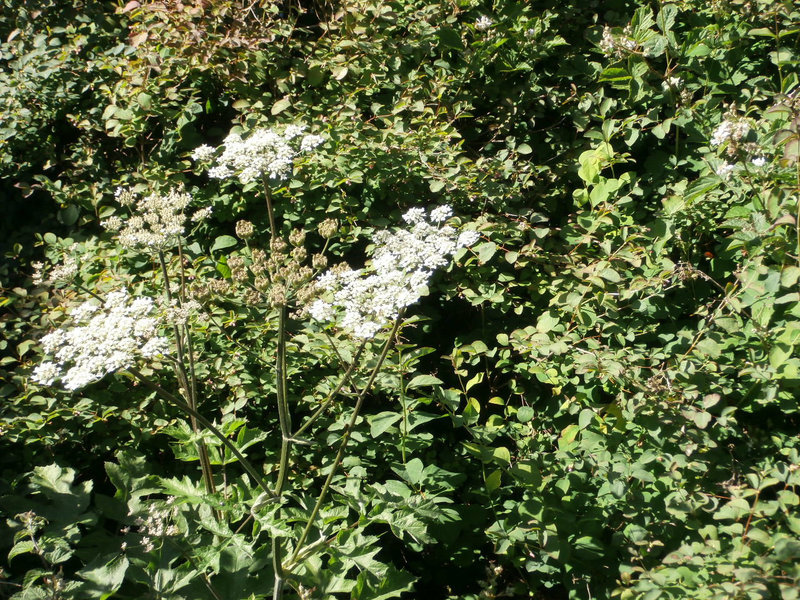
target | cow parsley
[
  {"x": 264, "y": 152},
  {"x": 101, "y": 340},
  {"x": 363, "y": 301},
  {"x": 157, "y": 220}
]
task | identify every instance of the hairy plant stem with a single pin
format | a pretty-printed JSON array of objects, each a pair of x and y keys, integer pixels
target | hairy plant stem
[
  {"x": 246, "y": 464},
  {"x": 343, "y": 445},
  {"x": 187, "y": 381}
]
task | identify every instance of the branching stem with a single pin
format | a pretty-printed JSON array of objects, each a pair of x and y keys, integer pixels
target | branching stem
[
  {"x": 343, "y": 445},
  {"x": 246, "y": 464}
]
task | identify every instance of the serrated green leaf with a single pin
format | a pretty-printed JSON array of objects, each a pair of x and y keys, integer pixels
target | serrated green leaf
[{"x": 22, "y": 547}]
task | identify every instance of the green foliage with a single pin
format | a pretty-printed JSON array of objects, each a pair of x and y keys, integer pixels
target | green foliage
[{"x": 599, "y": 398}]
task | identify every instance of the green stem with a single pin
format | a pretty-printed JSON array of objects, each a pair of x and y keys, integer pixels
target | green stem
[
  {"x": 285, "y": 421},
  {"x": 273, "y": 231},
  {"x": 246, "y": 464},
  {"x": 404, "y": 405},
  {"x": 284, "y": 417},
  {"x": 345, "y": 438},
  {"x": 342, "y": 382},
  {"x": 187, "y": 384}
]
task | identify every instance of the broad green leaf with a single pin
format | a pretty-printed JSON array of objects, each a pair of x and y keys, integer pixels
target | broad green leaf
[
  {"x": 280, "y": 106},
  {"x": 485, "y": 251},
  {"x": 525, "y": 414},
  {"x": 450, "y": 38},
  {"x": 666, "y": 17},
  {"x": 502, "y": 455},
  {"x": 414, "y": 469},
  {"x": 379, "y": 423},
  {"x": 104, "y": 576},
  {"x": 223, "y": 241},
  {"x": 22, "y": 547},
  {"x": 585, "y": 418},
  {"x": 493, "y": 480},
  {"x": 423, "y": 381}
]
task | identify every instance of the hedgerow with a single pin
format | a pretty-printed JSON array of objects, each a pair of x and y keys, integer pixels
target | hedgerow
[{"x": 420, "y": 299}]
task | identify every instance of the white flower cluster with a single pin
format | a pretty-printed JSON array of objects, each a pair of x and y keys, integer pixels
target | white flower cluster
[
  {"x": 156, "y": 524},
  {"x": 157, "y": 220},
  {"x": 365, "y": 300},
  {"x": 483, "y": 23},
  {"x": 672, "y": 83},
  {"x": 66, "y": 271},
  {"x": 725, "y": 170},
  {"x": 619, "y": 44},
  {"x": 263, "y": 152},
  {"x": 733, "y": 128},
  {"x": 102, "y": 340}
]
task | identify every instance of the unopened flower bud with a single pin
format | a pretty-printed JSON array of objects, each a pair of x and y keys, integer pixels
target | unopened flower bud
[
  {"x": 300, "y": 276},
  {"x": 277, "y": 245},
  {"x": 340, "y": 268},
  {"x": 299, "y": 254},
  {"x": 235, "y": 262},
  {"x": 200, "y": 292},
  {"x": 277, "y": 296},
  {"x": 319, "y": 261},
  {"x": 245, "y": 230},
  {"x": 273, "y": 264},
  {"x": 219, "y": 286},
  {"x": 297, "y": 237},
  {"x": 305, "y": 294},
  {"x": 252, "y": 297},
  {"x": 327, "y": 229},
  {"x": 259, "y": 256}
]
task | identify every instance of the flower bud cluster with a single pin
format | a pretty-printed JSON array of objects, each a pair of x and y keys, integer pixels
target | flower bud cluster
[
  {"x": 363, "y": 301},
  {"x": 274, "y": 277},
  {"x": 103, "y": 339},
  {"x": 183, "y": 312},
  {"x": 328, "y": 228},
  {"x": 245, "y": 230},
  {"x": 157, "y": 220},
  {"x": 264, "y": 152}
]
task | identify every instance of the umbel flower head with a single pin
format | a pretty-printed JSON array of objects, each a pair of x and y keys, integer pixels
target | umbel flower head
[
  {"x": 157, "y": 221},
  {"x": 264, "y": 152},
  {"x": 102, "y": 339},
  {"x": 365, "y": 300}
]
